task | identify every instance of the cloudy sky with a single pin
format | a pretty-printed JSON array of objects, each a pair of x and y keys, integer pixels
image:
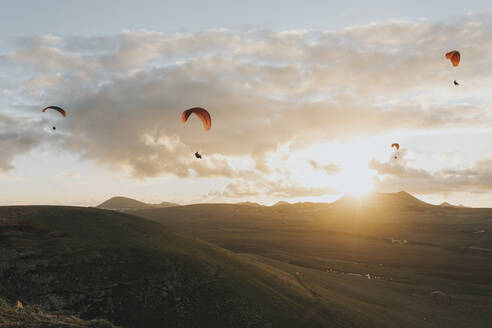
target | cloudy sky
[{"x": 306, "y": 99}]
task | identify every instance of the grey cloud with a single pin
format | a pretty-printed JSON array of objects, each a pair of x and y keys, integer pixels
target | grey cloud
[
  {"x": 17, "y": 136},
  {"x": 477, "y": 178}
]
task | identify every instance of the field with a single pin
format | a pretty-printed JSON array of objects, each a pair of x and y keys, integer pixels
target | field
[{"x": 388, "y": 259}]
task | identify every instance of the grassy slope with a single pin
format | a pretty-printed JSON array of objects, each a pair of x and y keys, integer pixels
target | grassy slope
[
  {"x": 355, "y": 236},
  {"x": 136, "y": 273}
]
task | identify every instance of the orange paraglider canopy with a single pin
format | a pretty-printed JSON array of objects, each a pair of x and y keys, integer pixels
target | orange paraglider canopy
[
  {"x": 58, "y": 109},
  {"x": 202, "y": 113},
  {"x": 454, "y": 57}
]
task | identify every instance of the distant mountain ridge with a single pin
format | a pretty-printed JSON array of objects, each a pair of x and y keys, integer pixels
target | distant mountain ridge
[
  {"x": 400, "y": 199},
  {"x": 446, "y": 204},
  {"x": 371, "y": 199},
  {"x": 123, "y": 204},
  {"x": 250, "y": 204},
  {"x": 282, "y": 203}
]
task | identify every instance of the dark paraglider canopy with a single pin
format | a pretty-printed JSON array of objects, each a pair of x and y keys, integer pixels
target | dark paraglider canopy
[
  {"x": 58, "y": 109},
  {"x": 197, "y": 155},
  {"x": 454, "y": 56},
  {"x": 202, "y": 113}
]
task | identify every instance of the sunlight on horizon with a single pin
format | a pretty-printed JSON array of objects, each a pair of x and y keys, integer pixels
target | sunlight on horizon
[
  {"x": 341, "y": 165},
  {"x": 299, "y": 113}
]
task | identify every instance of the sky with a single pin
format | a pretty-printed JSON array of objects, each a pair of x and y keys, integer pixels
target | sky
[{"x": 306, "y": 99}]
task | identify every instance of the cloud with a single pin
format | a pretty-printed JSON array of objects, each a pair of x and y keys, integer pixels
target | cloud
[
  {"x": 476, "y": 179},
  {"x": 329, "y": 169},
  {"x": 244, "y": 188},
  {"x": 68, "y": 175},
  {"x": 125, "y": 93},
  {"x": 17, "y": 136}
]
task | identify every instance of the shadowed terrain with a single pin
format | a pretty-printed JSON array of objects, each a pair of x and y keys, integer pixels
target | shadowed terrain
[
  {"x": 384, "y": 260},
  {"x": 95, "y": 263},
  {"x": 35, "y": 317},
  {"x": 390, "y": 257}
]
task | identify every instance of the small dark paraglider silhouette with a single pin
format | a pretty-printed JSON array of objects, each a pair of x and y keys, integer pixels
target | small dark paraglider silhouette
[
  {"x": 197, "y": 155},
  {"x": 58, "y": 109},
  {"x": 396, "y": 146},
  {"x": 455, "y": 57}
]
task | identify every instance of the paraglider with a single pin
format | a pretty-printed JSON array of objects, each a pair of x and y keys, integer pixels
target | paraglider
[
  {"x": 202, "y": 113},
  {"x": 396, "y": 146},
  {"x": 58, "y": 109},
  {"x": 204, "y": 116},
  {"x": 455, "y": 57}
]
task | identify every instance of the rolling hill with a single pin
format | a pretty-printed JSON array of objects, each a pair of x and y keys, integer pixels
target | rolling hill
[
  {"x": 374, "y": 200},
  {"x": 376, "y": 261},
  {"x": 411, "y": 248},
  {"x": 136, "y": 273},
  {"x": 124, "y": 204}
]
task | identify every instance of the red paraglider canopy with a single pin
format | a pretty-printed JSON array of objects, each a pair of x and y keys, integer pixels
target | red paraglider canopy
[
  {"x": 202, "y": 113},
  {"x": 454, "y": 57}
]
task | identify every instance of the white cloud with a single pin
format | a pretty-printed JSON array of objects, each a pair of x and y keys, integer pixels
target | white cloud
[
  {"x": 329, "y": 169},
  {"x": 397, "y": 175},
  {"x": 124, "y": 94}
]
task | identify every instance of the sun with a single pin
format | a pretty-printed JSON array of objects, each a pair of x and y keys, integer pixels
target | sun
[
  {"x": 349, "y": 171},
  {"x": 355, "y": 180}
]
